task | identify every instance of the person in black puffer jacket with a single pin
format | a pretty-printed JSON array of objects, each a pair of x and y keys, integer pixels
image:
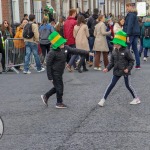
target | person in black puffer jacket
[
  {"x": 122, "y": 61},
  {"x": 56, "y": 60}
]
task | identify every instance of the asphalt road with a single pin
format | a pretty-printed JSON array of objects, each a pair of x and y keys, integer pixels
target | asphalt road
[{"x": 29, "y": 125}]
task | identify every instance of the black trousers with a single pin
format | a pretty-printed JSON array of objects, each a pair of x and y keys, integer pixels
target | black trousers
[
  {"x": 58, "y": 88},
  {"x": 45, "y": 48},
  {"x": 3, "y": 56}
]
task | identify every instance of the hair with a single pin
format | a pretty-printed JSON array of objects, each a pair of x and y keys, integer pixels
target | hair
[
  {"x": 25, "y": 15},
  {"x": 80, "y": 19},
  {"x": 23, "y": 20},
  {"x": 95, "y": 11},
  {"x": 45, "y": 20},
  {"x": 72, "y": 11},
  {"x": 3, "y": 28},
  {"x": 31, "y": 17},
  {"x": 120, "y": 20},
  {"x": 129, "y": 4},
  {"x": 100, "y": 17}
]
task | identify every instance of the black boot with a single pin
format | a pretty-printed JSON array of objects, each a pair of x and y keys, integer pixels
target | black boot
[
  {"x": 79, "y": 68},
  {"x": 84, "y": 67}
]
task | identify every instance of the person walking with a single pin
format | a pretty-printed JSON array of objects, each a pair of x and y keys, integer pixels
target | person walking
[
  {"x": 31, "y": 38},
  {"x": 132, "y": 28},
  {"x": 146, "y": 37},
  {"x": 68, "y": 34},
  {"x": 44, "y": 31},
  {"x": 81, "y": 34},
  {"x": 91, "y": 23},
  {"x": 56, "y": 60},
  {"x": 100, "y": 44},
  {"x": 122, "y": 62}
]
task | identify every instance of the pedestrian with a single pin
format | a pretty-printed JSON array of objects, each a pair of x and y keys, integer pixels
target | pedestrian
[
  {"x": 68, "y": 34},
  {"x": 122, "y": 61},
  {"x": 118, "y": 25},
  {"x": 146, "y": 37},
  {"x": 132, "y": 28},
  {"x": 45, "y": 30},
  {"x": 26, "y": 17},
  {"x": 56, "y": 60},
  {"x": 92, "y": 21},
  {"x": 81, "y": 34},
  {"x": 100, "y": 44},
  {"x": 2, "y": 59},
  {"x": 31, "y": 38}
]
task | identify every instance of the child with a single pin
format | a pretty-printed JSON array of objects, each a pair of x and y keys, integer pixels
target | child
[
  {"x": 122, "y": 61},
  {"x": 56, "y": 60}
]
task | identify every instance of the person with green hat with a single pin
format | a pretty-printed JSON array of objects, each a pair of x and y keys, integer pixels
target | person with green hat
[
  {"x": 56, "y": 60},
  {"x": 122, "y": 61}
]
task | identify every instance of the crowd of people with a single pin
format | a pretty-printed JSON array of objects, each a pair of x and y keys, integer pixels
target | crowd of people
[{"x": 92, "y": 33}]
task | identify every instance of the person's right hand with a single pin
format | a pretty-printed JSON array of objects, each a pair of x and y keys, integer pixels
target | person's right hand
[{"x": 105, "y": 70}]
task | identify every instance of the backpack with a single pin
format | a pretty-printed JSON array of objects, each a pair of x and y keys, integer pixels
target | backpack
[
  {"x": 147, "y": 32},
  {"x": 44, "y": 34},
  {"x": 92, "y": 28},
  {"x": 27, "y": 31}
]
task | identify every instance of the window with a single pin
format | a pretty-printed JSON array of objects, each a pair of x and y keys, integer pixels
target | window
[
  {"x": 0, "y": 12},
  {"x": 15, "y": 7},
  {"x": 27, "y": 9}
]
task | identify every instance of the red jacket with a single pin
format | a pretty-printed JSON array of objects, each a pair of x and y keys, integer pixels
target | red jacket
[{"x": 68, "y": 30}]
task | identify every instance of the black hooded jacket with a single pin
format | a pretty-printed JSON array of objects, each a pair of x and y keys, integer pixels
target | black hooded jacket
[
  {"x": 56, "y": 60},
  {"x": 120, "y": 60}
]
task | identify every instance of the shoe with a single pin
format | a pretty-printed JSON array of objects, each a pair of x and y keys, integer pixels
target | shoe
[
  {"x": 145, "y": 59},
  {"x": 42, "y": 69},
  {"x": 135, "y": 101},
  {"x": 44, "y": 99},
  {"x": 68, "y": 68},
  {"x": 137, "y": 67},
  {"x": 79, "y": 70},
  {"x": 90, "y": 64},
  {"x": 102, "y": 102},
  {"x": 61, "y": 106},
  {"x": 98, "y": 68},
  {"x": 27, "y": 72},
  {"x": 85, "y": 69}
]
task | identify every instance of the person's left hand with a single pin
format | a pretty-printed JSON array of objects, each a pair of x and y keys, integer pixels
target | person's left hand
[{"x": 126, "y": 70}]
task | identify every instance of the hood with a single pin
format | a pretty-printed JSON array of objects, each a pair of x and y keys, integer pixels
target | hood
[
  {"x": 147, "y": 24},
  {"x": 71, "y": 18},
  {"x": 95, "y": 16}
]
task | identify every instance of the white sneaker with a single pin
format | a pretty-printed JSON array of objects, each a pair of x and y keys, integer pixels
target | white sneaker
[
  {"x": 42, "y": 69},
  {"x": 27, "y": 72},
  {"x": 135, "y": 101},
  {"x": 98, "y": 68},
  {"x": 145, "y": 59},
  {"x": 101, "y": 103}
]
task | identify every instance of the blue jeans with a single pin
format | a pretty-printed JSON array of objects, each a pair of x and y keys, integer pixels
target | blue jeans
[
  {"x": 91, "y": 44},
  {"x": 31, "y": 47},
  {"x": 113, "y": 83},
  {"x": 145, "y": 52},
  {"x": 133, "y": 43}
]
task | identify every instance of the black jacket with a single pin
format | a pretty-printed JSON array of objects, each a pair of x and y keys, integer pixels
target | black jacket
[
  {"x": 56, "y": 60},
  {"x": 121, "y": 59},
  {"x": 131, "y": 25}
]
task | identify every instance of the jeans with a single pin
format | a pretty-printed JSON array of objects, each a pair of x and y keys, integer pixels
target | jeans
[
  {"x": 113, "y": 83},
  {"x": 145, "y": 52},
  {"x": 31, "y": 47},
  {"x": 68, "y": 54},
  {"x": 91, "y": 44},
  {"x": 58, "y": 88},
  {"x": 133, "y": 43}
]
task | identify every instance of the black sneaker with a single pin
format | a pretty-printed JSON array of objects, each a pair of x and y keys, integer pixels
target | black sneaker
[
  {"x": 61, "y": 106},
  {"x": 45, "y": 100}
]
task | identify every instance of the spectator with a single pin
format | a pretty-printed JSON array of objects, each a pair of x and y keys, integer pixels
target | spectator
[
  {"x": 81, "y": 34},
  {"x": 68, "y": 34},
  {"x": 44, "y": 31},
  {"x": 146, "y": 37},
  {"x": 131, "y": 27},
  {"x": 31, "y": 44},
  {"x": 100, "y": 44},
  {"x": 25, "y": 17},
  {"x": 2, "y": 52},
  {"x": 92, "y": 21},
  {"x": 118, "y": 25}
]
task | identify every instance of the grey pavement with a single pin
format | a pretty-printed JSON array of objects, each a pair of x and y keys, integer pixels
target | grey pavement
[{"x": 29, "y": 125}]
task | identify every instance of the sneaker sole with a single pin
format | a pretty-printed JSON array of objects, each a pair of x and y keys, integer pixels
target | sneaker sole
[
  {"x": 139, "y": 102},
  {"x": 43, "y": 100},
  {"x": 60, "y": 107},
  {"x": 100, "y": 105}
]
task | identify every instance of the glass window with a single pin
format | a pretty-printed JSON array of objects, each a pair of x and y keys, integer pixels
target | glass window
[{"x": 15, "y": 7}]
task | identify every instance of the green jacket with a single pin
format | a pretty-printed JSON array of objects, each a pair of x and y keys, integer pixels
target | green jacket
[{"x": 146, "y": 41}]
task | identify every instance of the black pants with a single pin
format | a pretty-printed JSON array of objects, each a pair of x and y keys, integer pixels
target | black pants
[
  {"x": 58, "y": 88},
  {"x": 3, "y": 56},
  {"x": 82, "y": 62},
  {"x": 113, "y": 83},
  {"x": 45, "y": 49}
]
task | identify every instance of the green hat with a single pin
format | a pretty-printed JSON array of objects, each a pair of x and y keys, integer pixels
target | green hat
[
  {"x": 56, "y": 40},
  {"x": 120, "y": 38}
]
